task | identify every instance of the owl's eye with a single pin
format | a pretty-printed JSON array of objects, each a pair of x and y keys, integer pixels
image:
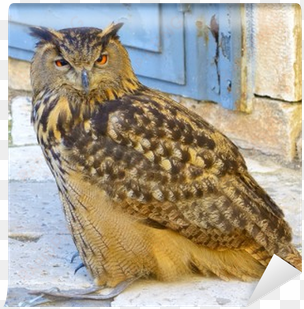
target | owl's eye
[
  {"x": 61, "y": 63},
  {"x": 102, "y": 60}
]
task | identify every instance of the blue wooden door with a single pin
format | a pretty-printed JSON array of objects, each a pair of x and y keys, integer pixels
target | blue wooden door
[{"x": 190, "y": 50}]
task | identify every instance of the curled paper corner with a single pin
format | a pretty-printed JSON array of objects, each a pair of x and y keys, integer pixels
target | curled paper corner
[{"x": 277, "y": 273}]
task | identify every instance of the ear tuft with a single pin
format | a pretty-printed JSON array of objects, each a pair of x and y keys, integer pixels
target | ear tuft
[
  {"x": 45, "y": 34},
  {"x": 114, "y": 28},
  {"x": 41, "y": 33},
  {"x": 110, "y": 32}
]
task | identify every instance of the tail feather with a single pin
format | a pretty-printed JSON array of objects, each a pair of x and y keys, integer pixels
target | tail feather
[
  {"x": 265, "y": 222},
  {"x": 259, "y": 253},
  {"x": 287, "y": 252},
  {"x": 291, "y": 255}
]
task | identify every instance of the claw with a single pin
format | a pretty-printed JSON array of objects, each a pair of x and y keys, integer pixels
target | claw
[
  {"x": 74, "y": 256},
  {"x": 78, "y": 267}
]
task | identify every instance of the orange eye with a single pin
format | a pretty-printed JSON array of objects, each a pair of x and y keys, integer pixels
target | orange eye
[
  {"x": 61, "y": 63},
  {"x": 102, "y": 60}
]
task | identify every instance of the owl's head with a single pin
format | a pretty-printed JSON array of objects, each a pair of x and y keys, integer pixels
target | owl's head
[{"x": 80, "y": 59}]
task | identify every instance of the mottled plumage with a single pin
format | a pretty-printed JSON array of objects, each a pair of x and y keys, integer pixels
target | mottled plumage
[{"x": 149, "y": 189}]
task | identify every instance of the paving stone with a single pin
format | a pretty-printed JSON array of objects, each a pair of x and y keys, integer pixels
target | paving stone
[
  {"x": 261, "y": 167},
  {"x": 27, "y": 163},
  {"x": 22, "y": 130},
  {"x": 195, "y": 291}
]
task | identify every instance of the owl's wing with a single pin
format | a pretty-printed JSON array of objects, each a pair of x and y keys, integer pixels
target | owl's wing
[{"x": 165, "y": 165}]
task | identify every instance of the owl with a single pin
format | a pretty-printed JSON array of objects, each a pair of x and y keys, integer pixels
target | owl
[{"x": 149, "y": 189}]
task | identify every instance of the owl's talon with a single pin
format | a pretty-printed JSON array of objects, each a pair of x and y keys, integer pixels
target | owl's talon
[{"x": 78, "y": 267}]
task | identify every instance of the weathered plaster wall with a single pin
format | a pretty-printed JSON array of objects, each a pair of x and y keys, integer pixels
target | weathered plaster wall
[{"x": 278, "y": 51}]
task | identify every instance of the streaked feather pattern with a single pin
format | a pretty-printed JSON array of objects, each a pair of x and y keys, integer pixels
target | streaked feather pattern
[{"x": 148, "y": 187}]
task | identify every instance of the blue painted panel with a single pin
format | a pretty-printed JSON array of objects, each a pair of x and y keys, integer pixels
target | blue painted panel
[
  {"x": 141, "y": 29},
  {"x": 168, "y": 66},
  {"x": 151, "y": 56},
  {"x": 194, "y": 50},
  {"x": 204, "y": 58},
  {"x": 230, "y": 39}
]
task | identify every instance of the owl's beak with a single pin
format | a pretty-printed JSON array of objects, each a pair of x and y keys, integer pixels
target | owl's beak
[{"x": 85, "y": 81}]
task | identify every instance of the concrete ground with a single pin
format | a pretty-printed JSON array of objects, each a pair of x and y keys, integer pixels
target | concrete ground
[{"x": 40, "y": 247}]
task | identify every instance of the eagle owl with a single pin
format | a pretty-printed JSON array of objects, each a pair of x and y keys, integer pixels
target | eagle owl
[{"x": 148, "y": 188}]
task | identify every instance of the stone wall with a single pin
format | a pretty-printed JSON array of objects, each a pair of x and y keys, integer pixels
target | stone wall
[
  {"x": 274, "y": 123},
  {"x": 272, "y": 127},
  {"x": 278, "y": 52},
  {"x": 19, "y": 75}
]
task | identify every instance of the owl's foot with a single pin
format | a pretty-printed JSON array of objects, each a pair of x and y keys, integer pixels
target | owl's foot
[{"x": 56, "y": 294}]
